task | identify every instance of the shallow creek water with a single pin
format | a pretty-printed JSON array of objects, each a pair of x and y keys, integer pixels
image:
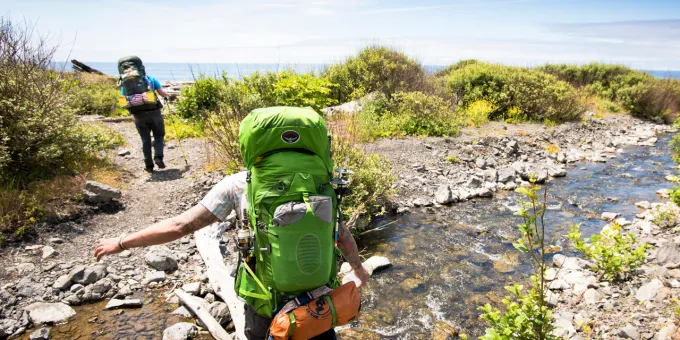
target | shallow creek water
[
  {"x": 445, "y": 263},
  {"x": 448, "y": 262}
]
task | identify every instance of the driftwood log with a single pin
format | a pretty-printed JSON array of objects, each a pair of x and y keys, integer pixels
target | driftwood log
[
  {"x": 219, "y": 274},
  {"x": 202, "y": 310},
  {"x": 80, "y": 67}
]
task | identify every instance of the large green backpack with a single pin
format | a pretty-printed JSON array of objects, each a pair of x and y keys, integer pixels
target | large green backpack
[{"x": 292, "y": 206}]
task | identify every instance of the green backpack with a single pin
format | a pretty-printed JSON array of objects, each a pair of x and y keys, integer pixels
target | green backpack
[{"x": 292, "y": 206}]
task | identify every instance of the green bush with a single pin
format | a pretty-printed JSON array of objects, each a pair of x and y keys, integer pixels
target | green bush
[
  {"x": 539, "y": 95},
  {"x": 652, "y": 98},
  {"x": 446, "y": 71},
  {"x": 612, "y": 253},
  {"x": 408, "y": 114},
  {"x": 601, "y": 79},
  {"x": 91, "y": 94},
  {"x": 293, "y": 89},
  {"x": 202, "y": 96},
  {"x": 375, "y": 68}
]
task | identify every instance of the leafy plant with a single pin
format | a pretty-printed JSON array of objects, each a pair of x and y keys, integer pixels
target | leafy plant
[
  {"x": 91, "y": 94},
  {"x": 375, "y": 68},
  {"x": 293, "y": 89},
  {"x": 202, "y": 96},
  {"x": 526, "y": 314},
  {"x": 452, "y": 159},
  {"x": 666, "y": 215},
  {"x": 612, "y": 252},
  {"x": 478, "y": 112},
  {"x": 408, "y": 114}
]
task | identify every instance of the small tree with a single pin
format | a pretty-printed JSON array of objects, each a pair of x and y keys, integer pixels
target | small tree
[{"x": 527, "y": 315}]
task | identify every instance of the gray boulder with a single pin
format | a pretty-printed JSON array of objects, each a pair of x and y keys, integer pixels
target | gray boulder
[
  {"x": 95, "y": 193},
  {"x": 157, "y": 276},
  {"x": 474, "y": 182},
  {"x": 443, "y": 195},
  {"x": 193, "y": 288},
  {"x": 28, "y": 287},
  {"x": 180, "y": 331},
  {"x": 41, "y": 334},
  {"x": 220, "y": 312},
  {"x": 62, "y": 283},
  {"x": 629, "y": 332},
  {"x": 649, "y": 291},
  {"x": 87, "y": 275},
  {"x": 161, "y": 258},
  {"x": 44, "y": 313},
  {"x": 506, "y": 175}
]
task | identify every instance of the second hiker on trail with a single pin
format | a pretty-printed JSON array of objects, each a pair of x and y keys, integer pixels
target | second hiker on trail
[
  {"x": 140, "y": 96},
  {"x": 288, "y": 234}
]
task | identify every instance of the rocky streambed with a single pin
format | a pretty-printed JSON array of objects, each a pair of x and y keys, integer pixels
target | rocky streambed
[{"x": 450, "y": 243}]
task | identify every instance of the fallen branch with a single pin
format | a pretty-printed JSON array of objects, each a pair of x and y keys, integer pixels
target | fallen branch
[
  {"x": 219, "y": 274},
  {"x": 202, "y": 310}
]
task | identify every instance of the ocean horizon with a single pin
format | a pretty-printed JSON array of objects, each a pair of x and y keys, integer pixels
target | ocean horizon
[{"x": 190, "y": 71}]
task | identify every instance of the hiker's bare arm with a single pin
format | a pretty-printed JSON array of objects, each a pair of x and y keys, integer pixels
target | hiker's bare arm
[
  {"x": 349, "y": 250},
  {"x": 162, "y": 92},
  {"x": 164, "y": 231}
]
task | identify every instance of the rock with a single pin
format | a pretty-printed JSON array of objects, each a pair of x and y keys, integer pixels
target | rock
[
  {"x": 48, "y": 252},
  {"x": 56, "y": 240},
  {"x": 41, "y": 334},
  {"x": 24, "y": 268},
  {"x": 622, "y": 222},
  {"x": 124, "y": 152},
  {"x": 87, "y": 275},
  {"x": 552, "y": 299},
  {"x": 649, "y": 291},
  {"x": 180, "y": 331},
  {"x": 161, "y": 258},
  {"x": 128, "y": 303},
  {"x": 210, "y": 298},
  {"x": 95, "y": 193},
  {"x": 420, "y": 202},
  {"x": 123, "y": 292},
  {"x": 558, "y": 284},
  {"x": 564, "y": 262},
  {"x": 157, "y": 276},
  {"x": 668, "y": 253},
  {"x": 609, "y": 216},
  {"x": 76, "y": 287},
  {"x": 663, "y": 193},
  {"x": 556, "y": 171},
  {"x": 564, "y": 329},
  {"x": 592, "y": 296},
  {"x": 443, "y": 195},
  {"x": 62, "y": 283},
  {"x": 474, "y": 182},
  {"x": 667, "y": 332},
  {"x": 220, "y": 312},
  {"x": 27, "y": 287},
  {"x": 550, "y": 274},
  {"x": 480, "y": 163},
  {"x": 629, "y": 332},
  {"x": 43, "y": 313},
  {"x": 483, "y": 192},
  {"x": 193, "y": 288},
  {"x": 125, "y": 254},
  {"x": 182, "y": 311},
  {"x": 643, "y": 204},
  {"x": 506, "y": 175},
  {"x": 33, "y": 247}
]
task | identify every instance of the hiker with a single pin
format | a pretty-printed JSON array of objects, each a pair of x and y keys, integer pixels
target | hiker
[
  {"x": 291, "y": 211},
  {"x": 140, "y": 96}
]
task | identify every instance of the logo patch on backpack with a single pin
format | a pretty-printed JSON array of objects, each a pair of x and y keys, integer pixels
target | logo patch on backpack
[{"x": 290, "y": 137}]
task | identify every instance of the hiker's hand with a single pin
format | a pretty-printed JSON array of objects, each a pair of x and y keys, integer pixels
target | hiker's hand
[
  {"x": 107, "y": 246},
  {"x": 362, "y": 276}
]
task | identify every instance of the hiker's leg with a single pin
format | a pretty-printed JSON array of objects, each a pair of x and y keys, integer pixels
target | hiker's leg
[
  {"x": 256, "y": 325},
  {"x": 145, "y": 133},
  {"x": 158, "y": 128}
]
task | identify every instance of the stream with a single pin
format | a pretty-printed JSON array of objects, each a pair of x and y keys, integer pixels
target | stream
[{"x": 447, "y": 261}]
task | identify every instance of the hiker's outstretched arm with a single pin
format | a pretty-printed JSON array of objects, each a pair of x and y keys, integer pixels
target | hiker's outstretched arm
[
  {"x": 164, "y": 231},
  {"x": 349, "y": 250},
  {"x": 162, "y": 92}
]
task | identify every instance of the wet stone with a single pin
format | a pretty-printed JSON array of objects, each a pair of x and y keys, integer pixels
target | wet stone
[
  {"x": 116, "y": 303},
  {"x": 41, "y": 334},
  {"x": 180, "y": 331}
]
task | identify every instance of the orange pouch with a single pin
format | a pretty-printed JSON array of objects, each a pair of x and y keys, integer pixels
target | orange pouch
[{"x": 337, "y": 308}]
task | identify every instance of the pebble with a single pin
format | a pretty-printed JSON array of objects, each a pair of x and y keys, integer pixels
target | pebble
[
  {"x": 129, "y": 303},
  {"x": 41, "y": 334},
  {"x": 154, "y": 277}
]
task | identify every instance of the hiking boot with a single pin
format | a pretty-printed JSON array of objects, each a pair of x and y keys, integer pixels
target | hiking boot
[
  {"x": 160, "y": 163},
  {"x": 148, "y": 169}
]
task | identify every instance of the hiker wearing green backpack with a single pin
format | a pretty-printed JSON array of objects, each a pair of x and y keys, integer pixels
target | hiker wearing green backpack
[
  {"x": 288, "y": 237},
  {"x": 139, "y": 94}
]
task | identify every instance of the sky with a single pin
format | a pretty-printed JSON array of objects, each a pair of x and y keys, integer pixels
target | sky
[{"x": 640, "y": 34}]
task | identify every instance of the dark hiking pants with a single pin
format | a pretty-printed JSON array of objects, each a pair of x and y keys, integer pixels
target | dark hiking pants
[
  {"x": 257, "y": 327},
  {"x": 151, "y": 122}
]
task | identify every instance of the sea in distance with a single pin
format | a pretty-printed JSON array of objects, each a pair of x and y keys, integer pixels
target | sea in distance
[{"x": 188, "y": 71}]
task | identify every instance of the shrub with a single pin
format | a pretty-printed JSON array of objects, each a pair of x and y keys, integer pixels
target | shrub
[
  {"x": 375, "y": 68},
  {"x": 666, "y": 215},
  {"x": 526, "y": 315},
  {"x": 41, "y": 136},
  {"x": 452, "y": 159},
  {"x": 293, "y": 89},
  {"x": 537, "y": 94},
  {"x": 177, "y": 127},
  {"x": 91, "y": 94},
  {"x": 202, "y": 96},
  {"x": 654, "y": 99},
  {"x": 446, "y": 71},
  {"x": 612, "y": 253},
  {"x": 477, "y": 112},
  {"x": 408, "y": 114},
  {"x": 602, "y": 79},
  {"x": 605, "y": 105}
]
